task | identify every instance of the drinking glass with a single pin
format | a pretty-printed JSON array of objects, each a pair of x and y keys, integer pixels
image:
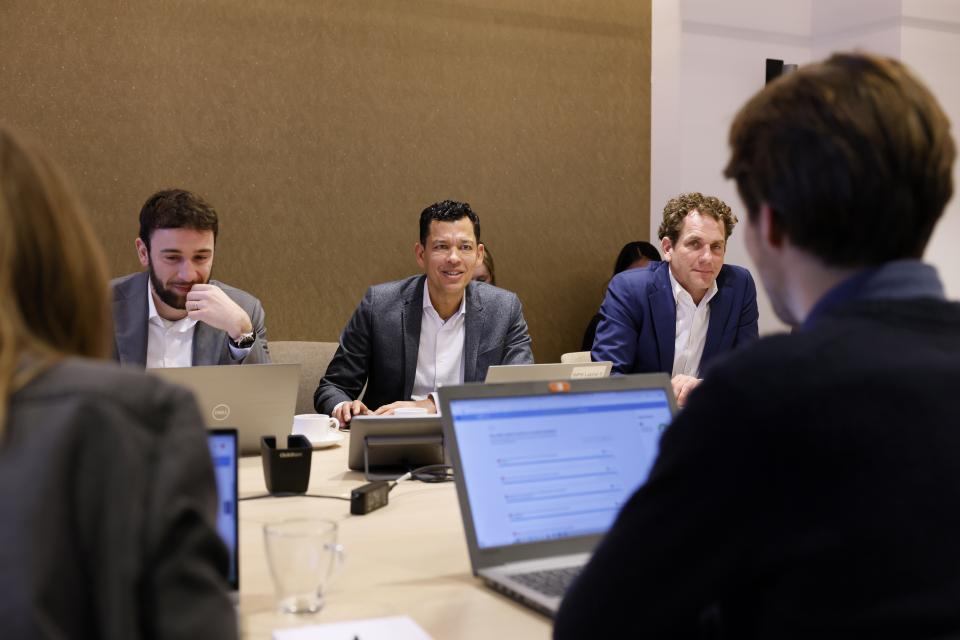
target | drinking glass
[{"x": 302, "y": 554}]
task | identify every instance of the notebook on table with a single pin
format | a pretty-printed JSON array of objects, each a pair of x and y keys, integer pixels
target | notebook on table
[
  {"x": 256, "y": 399},
  {"x": 543, "y": 468},
  {"x": 549, "y": 371}
]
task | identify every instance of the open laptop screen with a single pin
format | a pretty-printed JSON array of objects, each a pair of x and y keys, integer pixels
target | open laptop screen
[
  {"x": 554, "y": 466},
  {"x": 223, "y": 451}
]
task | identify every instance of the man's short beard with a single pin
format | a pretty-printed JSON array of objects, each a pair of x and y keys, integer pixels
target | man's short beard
[{"x": 169, "y": 298}]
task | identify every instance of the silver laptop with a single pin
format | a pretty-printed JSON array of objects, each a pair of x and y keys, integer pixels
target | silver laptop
[
  {"x": 386, "y": 447},
  {"x": 551, "y": 371},
  {"x": 223, "y": 453},
  {"x": 542, "y": 469},
  {"x": 257, "y": 399}
]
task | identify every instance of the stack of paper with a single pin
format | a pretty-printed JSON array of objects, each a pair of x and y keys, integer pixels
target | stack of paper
[{"x": 393, "y": 628}]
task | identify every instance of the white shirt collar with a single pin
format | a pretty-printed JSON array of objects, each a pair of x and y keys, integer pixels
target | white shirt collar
[
  {"x": 182, "y": 325},
  {"x": 427, "y": 304},
  {"x": 681, "y": 294}
]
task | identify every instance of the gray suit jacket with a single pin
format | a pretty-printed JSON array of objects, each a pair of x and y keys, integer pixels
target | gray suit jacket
[
  {"x": 380, "y": 342},
  {"x": 209, "y": 345},
  {"x": 108, "y": 511}
]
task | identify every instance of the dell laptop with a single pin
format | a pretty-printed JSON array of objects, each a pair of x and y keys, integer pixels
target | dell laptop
[
  {"x": 257, "y": 399},
  {"x": 543, "y": 468}
]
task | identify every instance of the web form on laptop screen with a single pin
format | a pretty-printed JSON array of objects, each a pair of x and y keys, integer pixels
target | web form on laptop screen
[{"x": 555, "y": 466}]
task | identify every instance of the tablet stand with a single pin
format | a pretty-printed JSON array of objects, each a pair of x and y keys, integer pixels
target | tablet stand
[{"x": 405, "y": 452}]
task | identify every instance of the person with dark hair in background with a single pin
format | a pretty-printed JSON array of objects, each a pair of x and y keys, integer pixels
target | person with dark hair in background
[
  {"x": 633, "y": 255},
  {"x": 808, "y": 490},
  {"x": 680, "y": 314},
  {"x": 107, "y": 493},
  {"x": 636, "y": 255},
  {"x": 173, "y": 314},
  {"x": 408, "y": 337},
  {"x": 485, "y": 271}
]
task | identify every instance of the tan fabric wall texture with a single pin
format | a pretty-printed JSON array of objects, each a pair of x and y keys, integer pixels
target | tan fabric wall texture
[{"x": 320, "y": 129}]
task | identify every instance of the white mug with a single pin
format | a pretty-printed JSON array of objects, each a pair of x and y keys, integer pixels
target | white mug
[{"x": 315, "y": 426}]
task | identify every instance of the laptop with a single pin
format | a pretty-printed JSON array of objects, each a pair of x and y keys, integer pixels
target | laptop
[
  {"x": 223, "y": 452},
  {"x": 551, "y": 371},
  {"x": 257, "y": 399},
  {"x": 386, "y": 447},
  {"x": 542, "y": 469}
]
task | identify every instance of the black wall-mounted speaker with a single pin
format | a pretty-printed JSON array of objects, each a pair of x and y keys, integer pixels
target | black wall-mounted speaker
[{"x": 774, "y": 69}]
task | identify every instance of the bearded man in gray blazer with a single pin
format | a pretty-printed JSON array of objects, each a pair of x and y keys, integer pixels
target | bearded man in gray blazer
[
  {"x": 408, "y": 337},
  {"x": 173, "y": 314}
]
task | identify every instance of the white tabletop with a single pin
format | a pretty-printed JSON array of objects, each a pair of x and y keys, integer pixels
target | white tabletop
[{"x": 408, "y": 558}]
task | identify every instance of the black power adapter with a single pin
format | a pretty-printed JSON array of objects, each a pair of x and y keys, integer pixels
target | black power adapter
[{"x": 369, "y": 497}]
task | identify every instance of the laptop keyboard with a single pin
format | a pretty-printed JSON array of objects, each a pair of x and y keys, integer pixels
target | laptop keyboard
[{"x": 552, "y": 582}]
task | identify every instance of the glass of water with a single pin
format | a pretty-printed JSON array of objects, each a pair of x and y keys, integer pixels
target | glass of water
[{"x": 302, "y": 554}]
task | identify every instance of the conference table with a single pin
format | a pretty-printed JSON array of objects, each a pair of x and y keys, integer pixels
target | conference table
[{"x": 408, "y": 558}]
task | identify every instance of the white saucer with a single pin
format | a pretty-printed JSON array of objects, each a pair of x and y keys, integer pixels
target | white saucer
[{"x": 332, "y": 438}]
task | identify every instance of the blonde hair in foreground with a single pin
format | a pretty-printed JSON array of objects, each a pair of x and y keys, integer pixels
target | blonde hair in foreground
[{"x": 53, "y": 275}]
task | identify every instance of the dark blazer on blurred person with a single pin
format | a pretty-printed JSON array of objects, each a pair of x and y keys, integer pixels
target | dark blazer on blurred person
[{"x": 109, "y": 503}]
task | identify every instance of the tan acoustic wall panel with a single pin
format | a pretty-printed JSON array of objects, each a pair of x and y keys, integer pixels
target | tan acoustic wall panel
[{"x": 320, "y": 129}]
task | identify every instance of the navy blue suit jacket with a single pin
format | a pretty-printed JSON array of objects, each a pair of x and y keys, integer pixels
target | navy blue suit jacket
[{"x": 638, "y": 329}]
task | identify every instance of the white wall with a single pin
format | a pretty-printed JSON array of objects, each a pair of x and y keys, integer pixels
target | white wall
[
  {"x": 931, "y": 46},
  {"x": 709, "y": 57},
  {"x": 843, "y": 25}
]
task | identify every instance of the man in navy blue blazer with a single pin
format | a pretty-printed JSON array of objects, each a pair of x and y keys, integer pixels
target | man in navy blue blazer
[{"x": 677, "y": 315}]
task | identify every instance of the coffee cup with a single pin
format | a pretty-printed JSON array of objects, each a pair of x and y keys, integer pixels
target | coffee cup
[{"x": 315, "y": 426}]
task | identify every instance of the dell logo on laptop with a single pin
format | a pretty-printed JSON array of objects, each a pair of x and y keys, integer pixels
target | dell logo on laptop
[{"x": 221, "y": 412}]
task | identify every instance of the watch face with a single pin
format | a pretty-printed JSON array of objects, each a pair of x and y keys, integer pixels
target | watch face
[{"x": 245, "y": 341}]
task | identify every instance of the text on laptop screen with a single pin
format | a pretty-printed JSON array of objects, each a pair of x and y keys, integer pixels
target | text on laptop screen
[
  {"x": 224, "y": 453},
  {"x": 555, "y": 466}
]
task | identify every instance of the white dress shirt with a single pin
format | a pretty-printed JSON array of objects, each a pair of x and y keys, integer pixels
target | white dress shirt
[
  {"x": 692, "y": 322},
  {"x": 440, "y": 355},
  {"x": 169, "y": 342}
]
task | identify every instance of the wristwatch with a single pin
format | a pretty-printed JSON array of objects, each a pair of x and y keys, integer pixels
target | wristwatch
[{"x": 245, "y": 341}]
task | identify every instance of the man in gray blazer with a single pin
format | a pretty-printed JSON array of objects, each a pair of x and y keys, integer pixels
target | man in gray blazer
[
  {"x": 408, "y": 337},
  {"x": 173, "y": 314}
]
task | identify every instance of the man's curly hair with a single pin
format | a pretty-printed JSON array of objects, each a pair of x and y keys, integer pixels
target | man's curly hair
[{"x": 677, "y": 209}]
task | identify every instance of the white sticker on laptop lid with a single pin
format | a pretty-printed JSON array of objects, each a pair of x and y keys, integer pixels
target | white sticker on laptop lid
[{"x": 588, "y": 372}]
